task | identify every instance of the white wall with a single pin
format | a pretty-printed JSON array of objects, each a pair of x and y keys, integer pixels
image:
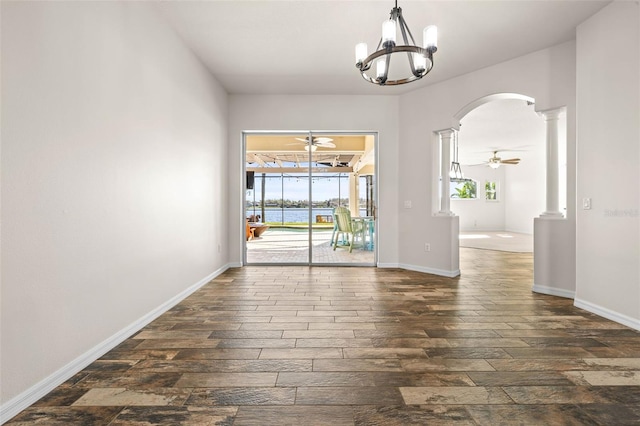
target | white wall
[
  {"x": 547, "y": 75},
  {"x": 608, "y": 235},
  {"x": 114, "y": 172},
  {"x": 332, "y": 113},
  {"x": 525, "y": 189}
]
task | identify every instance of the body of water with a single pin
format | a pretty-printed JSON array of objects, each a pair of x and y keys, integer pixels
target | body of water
[{"x": 288, "y": 215}]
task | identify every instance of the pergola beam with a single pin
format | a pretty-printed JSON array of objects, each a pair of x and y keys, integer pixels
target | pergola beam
[{"x": 300, "y": 169}]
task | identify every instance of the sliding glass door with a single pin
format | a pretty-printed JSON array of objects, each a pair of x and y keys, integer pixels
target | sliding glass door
[{"x": 294, "y": 184}]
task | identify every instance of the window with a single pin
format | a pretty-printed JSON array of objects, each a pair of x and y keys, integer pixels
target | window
[
  {"x": 491, "y": 191},
  {"x": 463, "y": 189}
]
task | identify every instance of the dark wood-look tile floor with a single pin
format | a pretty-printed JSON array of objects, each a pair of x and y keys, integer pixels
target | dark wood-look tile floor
[{"x": 363, "y": 346}]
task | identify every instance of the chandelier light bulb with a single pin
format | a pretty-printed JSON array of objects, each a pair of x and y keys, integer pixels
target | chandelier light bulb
[
  {"x": 381, "y": 67},
  {"x": 419, "y": 62},
  {"x": 361, "y": 52},
  {"x": 430, "y": 37},
  {"x": 389, "y": 32}
]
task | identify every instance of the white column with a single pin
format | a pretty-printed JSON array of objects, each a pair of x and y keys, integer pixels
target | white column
[
  {"x": 551, "y": 118},
  {"x": 445, "y": 165},
  {"x": 354, "y": 194}
]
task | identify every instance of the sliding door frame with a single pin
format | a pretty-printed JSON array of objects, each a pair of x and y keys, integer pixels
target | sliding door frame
[{"x": 310, "y": 134}]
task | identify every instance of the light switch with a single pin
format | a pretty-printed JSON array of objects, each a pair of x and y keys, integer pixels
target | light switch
[
  {"x": 586, "y": 204},
  {"x": 407, "y": 204}
]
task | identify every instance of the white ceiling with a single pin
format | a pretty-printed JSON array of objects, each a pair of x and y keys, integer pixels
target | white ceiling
[{"x": 307, "y": 46}]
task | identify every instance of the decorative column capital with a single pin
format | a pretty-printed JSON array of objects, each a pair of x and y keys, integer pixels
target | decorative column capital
[
  {"x": 552, "y": 114},
  {"x": 446, "y": 133}
]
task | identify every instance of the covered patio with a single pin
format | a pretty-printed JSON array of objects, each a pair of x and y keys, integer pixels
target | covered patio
[{"x": 294, "y": 181}]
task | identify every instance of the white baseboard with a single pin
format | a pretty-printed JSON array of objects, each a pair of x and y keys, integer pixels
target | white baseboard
[
  {"x": 608, "y": 314},
  {"x": 388, "y": 265},
  {"x": 434, "y": 271},
  {"x": 553, "y": 291},
  {"x": 22, "y": 401}
]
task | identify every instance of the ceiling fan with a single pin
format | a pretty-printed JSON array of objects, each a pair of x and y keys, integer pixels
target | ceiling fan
[
  {"x": 495, "y": 161},
  {"x": 315, "y": 143}
]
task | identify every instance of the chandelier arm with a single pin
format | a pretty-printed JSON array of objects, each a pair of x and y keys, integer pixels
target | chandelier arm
[
  {"x": 404, "y": 28},
  {"x": 379, "y": 44},
  {"x": 366, "y": 77}
]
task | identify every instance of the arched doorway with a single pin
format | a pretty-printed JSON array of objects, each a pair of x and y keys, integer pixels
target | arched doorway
[
  {"x": 498, "y": 188},
  {"x": 547, "y": 195}
]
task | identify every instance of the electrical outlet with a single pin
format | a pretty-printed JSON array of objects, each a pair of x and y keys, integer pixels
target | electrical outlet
[
  {"x": 427, "y": 247},
  {"x": 586, "y": 204}
]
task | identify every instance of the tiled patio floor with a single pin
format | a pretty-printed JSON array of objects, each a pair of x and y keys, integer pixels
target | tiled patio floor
[{"x": 291, "y": 246}]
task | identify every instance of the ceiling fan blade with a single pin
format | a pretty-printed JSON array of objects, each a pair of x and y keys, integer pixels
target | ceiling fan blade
[
  {"x": 511, "y": 161},
  {"x": 315, "y": 140},
  {"x": 491, "y": 151},
  {"x": 326, "y": 144},
  {"x": 322, "y": 140}
]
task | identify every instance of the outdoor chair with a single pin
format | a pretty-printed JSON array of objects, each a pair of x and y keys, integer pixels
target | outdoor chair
[
  {"x": 345, "y": 227},
  {"x": 250, "y": 232}
]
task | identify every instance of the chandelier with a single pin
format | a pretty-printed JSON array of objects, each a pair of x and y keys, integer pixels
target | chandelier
[
  {"x": 420, "y": 59},
  {"x": 455, "y": 172}
]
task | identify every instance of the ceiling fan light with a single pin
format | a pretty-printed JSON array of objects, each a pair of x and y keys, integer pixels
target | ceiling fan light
[
  {"x": 494, "y": 164},
  {"x": 312, "y": 147}
]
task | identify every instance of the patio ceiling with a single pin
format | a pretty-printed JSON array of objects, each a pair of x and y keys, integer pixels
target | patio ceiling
[{"x": 286, "y": 154}]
